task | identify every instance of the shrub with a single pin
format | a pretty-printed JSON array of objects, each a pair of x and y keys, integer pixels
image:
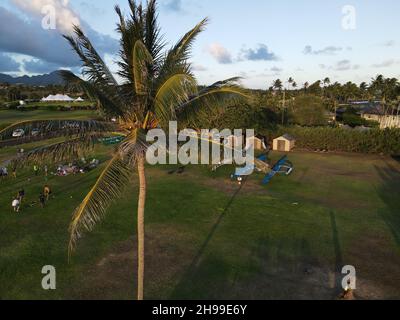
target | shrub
[
  {"x": 308, "y": 110},
  {"x": 373, "y": 141}
]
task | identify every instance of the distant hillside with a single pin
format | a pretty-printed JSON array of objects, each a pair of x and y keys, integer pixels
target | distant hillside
[{"x": 52, "y": 78}]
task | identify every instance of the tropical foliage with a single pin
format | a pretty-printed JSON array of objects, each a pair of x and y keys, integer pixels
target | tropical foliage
[{"x": 374, "y": 141}]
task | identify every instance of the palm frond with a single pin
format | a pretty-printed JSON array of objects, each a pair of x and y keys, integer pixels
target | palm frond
[
  {"x": 174, "y": 92},
  {"x": 134, "y": 144},
  {"x": 181, "y": 51},
  {"x": 131, "y": 30},
  {"x": 176, "y": 60},
  {"x": 55, "y": 128},
  {"x": 218, "y": 96},
  {"x": 94, "y": 67},
  {"x": 109, "y": 186},
  {"x": 107, "y": 104},
  {"x": 58, "y": 152},
  {"x": 141, "y": 60},
  {"x": 152, "y": 38}
]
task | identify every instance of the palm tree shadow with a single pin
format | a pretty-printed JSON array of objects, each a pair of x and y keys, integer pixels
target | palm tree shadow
[
  {"x": 388, "y": 192},
  {"x": 195, "y": 262},
  {"x": 338, "y": 250},
  {"x": 336, "y": 242}
]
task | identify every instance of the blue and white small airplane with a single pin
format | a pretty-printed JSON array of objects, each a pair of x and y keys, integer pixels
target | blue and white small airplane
[{"x": 283, "y": 166}]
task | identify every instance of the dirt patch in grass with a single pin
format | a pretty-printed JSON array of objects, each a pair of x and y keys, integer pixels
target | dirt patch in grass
[
  {"x": 115, "y": 275},
  {"x": 377, "y": 264},
  {"x": 307, "y": 283}
]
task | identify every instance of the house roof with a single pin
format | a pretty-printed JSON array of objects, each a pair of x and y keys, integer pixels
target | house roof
[
  {"x": 287, "y": 137},
  {"x": 372, "y": 110}
]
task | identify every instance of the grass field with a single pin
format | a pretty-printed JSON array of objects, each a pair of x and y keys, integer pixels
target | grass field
[{"x": 206, "y": 239}]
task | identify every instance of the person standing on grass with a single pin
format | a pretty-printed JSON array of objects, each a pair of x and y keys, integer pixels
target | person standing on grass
[
  {"x": 36, "y": 169},
  {"x": 14, "y": 172},
  {"x": 15, "y": 204},
  {"x": 42, "y": 200},
  {"x": 47, "y": 192},
  {"x": 21, "y": 195},
  {"x": 46, "y": 170}
]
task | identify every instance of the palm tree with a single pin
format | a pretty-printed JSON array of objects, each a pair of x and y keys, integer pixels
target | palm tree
[
  {"x": 277, "y": 85},
  {"x": 158, "y": 87},
  {"x": 305, "y": 86},
  {"x": 326, "y": 82}
]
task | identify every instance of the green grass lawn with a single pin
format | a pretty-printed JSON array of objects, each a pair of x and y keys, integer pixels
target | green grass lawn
[{"x": 205, "y": 239}]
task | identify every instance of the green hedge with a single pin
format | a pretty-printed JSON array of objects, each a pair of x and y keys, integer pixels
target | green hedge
[{"x": 374, "y": 141}]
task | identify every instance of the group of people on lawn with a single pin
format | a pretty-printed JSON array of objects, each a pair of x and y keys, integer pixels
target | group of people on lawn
[{"x": 43, "y": 197}]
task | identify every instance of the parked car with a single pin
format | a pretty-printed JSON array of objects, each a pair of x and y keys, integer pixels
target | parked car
[
  {"x": 18, "y": 133},
  {"x": 35, "y": 132}
]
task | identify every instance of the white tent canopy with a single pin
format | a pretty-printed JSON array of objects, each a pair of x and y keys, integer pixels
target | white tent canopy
[
  {"x": 79, "y": 100},
  {"x": 58, "y": 97}
]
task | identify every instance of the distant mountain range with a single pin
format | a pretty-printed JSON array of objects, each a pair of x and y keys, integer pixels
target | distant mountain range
[{"x": 52, "y": 78}]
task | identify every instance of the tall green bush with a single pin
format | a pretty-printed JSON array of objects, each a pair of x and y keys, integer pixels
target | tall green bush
[{"x": 374, "y": 141}]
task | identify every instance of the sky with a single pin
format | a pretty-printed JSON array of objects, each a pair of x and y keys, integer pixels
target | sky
[{"x": 259, "y": 40}]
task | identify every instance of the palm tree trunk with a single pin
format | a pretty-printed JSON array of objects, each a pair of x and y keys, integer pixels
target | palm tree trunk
[{"x": 140, "y": 226}]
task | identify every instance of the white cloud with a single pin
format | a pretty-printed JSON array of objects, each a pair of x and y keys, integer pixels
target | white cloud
[
  {"x": 385, "y": 64},
  {"x": 343, "y": 65},
  {"x": 221, "y": 54},
  {"x": 198, "y": 67},
  {"x": 65, "y": 16},
  {"x": 277, "y": 70},
  {"x": 330, "y": 50},
  {"x": 390, "y": 43}
]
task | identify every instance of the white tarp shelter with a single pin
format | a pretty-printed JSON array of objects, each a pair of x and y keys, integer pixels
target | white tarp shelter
[{"x": 58, "y": 98}]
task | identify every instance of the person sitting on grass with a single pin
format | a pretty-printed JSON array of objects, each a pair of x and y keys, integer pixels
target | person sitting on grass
[
  {"x": 42, "y": 200},
  {"x": 47, "y": 192},
  {"x": 15, "y": 204}
]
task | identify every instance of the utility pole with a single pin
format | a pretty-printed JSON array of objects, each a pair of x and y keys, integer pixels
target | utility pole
[{"x": 283, "y": 107}]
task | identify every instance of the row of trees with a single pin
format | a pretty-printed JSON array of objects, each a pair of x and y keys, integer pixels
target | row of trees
[
  {"x": 10, "y": 93},
  {"x": 379, "y": 88}
]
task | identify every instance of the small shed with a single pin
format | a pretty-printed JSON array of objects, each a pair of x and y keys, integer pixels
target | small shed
[{"x": 284, "y": 143}]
